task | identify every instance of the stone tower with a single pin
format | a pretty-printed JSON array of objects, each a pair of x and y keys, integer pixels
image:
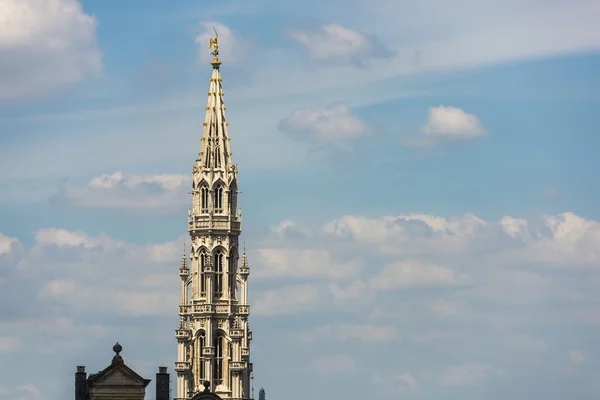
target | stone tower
[{"x": 213, "y": 336}]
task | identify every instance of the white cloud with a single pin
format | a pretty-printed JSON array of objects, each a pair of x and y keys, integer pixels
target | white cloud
[
  {"x": 491, "y": 35},
  {"x": 232, "y": 48},
  {"x": 334, "y": 42},
  {"x": 402, "y": 384},
  {"x": 451, "y": 123},
  {"x": 446, "y": 124},
  {"x": 135, "y": 193},
  {"x": 83, "y": 281},
  {"x": 285, "y": 301},
  {"x": 11, "y": 250},
  {"x": 302, "y": 263},
  {"x": 405, "y": 383},
  {"x": 342, "y": 332},
  {"x": 33, "y": 390},
  {"x": 527, "y": 344},
  {"x": 335, "y": 122},
  {"x": 9, "y": 344},
  {"x": 412, "y": 273},
  {"x": 45, "y": 44},
  {"x": 64, "y": 238},
  {"x": 83, "y": 272},
  {"x": 444, "y": 307},
  {"x": 336, "y": 364},
  {"x": 577, "y": 357},
  {"x": 562, "y": 239},
  {"x": 465, "y": 375},
  {"x": 59, "y": 325},
  {"x": 353, "y": 291},
  {"x": 288, "y": 229},
  {"x": 8, "y": 244}
]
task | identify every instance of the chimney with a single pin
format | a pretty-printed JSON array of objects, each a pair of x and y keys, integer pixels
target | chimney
[
  {"x": 162, "y": 384},
  {"x": 80, "y": 383}
]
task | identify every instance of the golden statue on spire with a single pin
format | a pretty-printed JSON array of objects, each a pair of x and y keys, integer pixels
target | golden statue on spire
[{"x": 214, "y": 43}]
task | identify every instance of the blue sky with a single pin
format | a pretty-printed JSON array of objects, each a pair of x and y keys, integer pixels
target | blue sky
[{"x": 418, "y": 188}]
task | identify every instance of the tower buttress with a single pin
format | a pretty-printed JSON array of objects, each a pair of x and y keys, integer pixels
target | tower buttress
[{"x": 213, "y": 334}]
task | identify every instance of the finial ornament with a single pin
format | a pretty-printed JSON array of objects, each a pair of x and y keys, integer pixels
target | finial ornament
[
  {"x": 214, "y": 44},
  {"x": 117, "y": 359}
]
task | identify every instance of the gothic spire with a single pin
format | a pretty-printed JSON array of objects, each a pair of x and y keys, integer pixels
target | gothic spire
[{"x": 215, "y": 152}]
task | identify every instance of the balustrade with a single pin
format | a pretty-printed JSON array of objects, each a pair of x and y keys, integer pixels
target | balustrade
[{"x": 243, "y": 309}]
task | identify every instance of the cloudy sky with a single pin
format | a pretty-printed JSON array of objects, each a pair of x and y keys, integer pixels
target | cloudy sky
[{"x": 419, "y": 187}]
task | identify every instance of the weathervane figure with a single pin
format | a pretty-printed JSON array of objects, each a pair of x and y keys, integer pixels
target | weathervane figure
[{"x": 214, "y": 43}]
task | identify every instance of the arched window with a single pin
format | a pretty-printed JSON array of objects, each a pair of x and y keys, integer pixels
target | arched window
[
  {"x": 219, "y": 273},
  {"x": 238, "y": 293},
  {"x": 218, "y": 365},
  {"x": 199, "y": 370},
  {"x": 219, "y": 199},
  {"x": 204, "y": 198},
  {"x": 203, "y": 263}
]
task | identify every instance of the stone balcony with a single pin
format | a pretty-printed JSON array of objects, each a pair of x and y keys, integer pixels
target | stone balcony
[
  {"x": 182, "y": 366},
  {"x": 182, "y": 334},
  {"x": 184, "y": 309},
  {"x": 245, "y": 352},
  {"x": 236, "y": 333},
  {"x": 237, "y": 366}
]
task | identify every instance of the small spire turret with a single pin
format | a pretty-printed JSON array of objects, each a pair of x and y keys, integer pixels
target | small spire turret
[{"x": 184, "y": 271}]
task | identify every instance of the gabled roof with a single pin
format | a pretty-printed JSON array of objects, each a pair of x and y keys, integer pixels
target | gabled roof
[{"x": 117, "y": 366}]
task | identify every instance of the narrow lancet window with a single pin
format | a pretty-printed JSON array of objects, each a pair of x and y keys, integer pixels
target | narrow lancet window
[
  {"x": 219, "y": 273},
  {"x": 203, "y": 263},
  {"x": 218, "y": 365},
  {"x": 219, "y": 199},
  {"x": 231, "y": 275},
  {"x": 207, "y": 157},
  {"x": 199, "y": 370},
  {"x": 204, "y": 198}
]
